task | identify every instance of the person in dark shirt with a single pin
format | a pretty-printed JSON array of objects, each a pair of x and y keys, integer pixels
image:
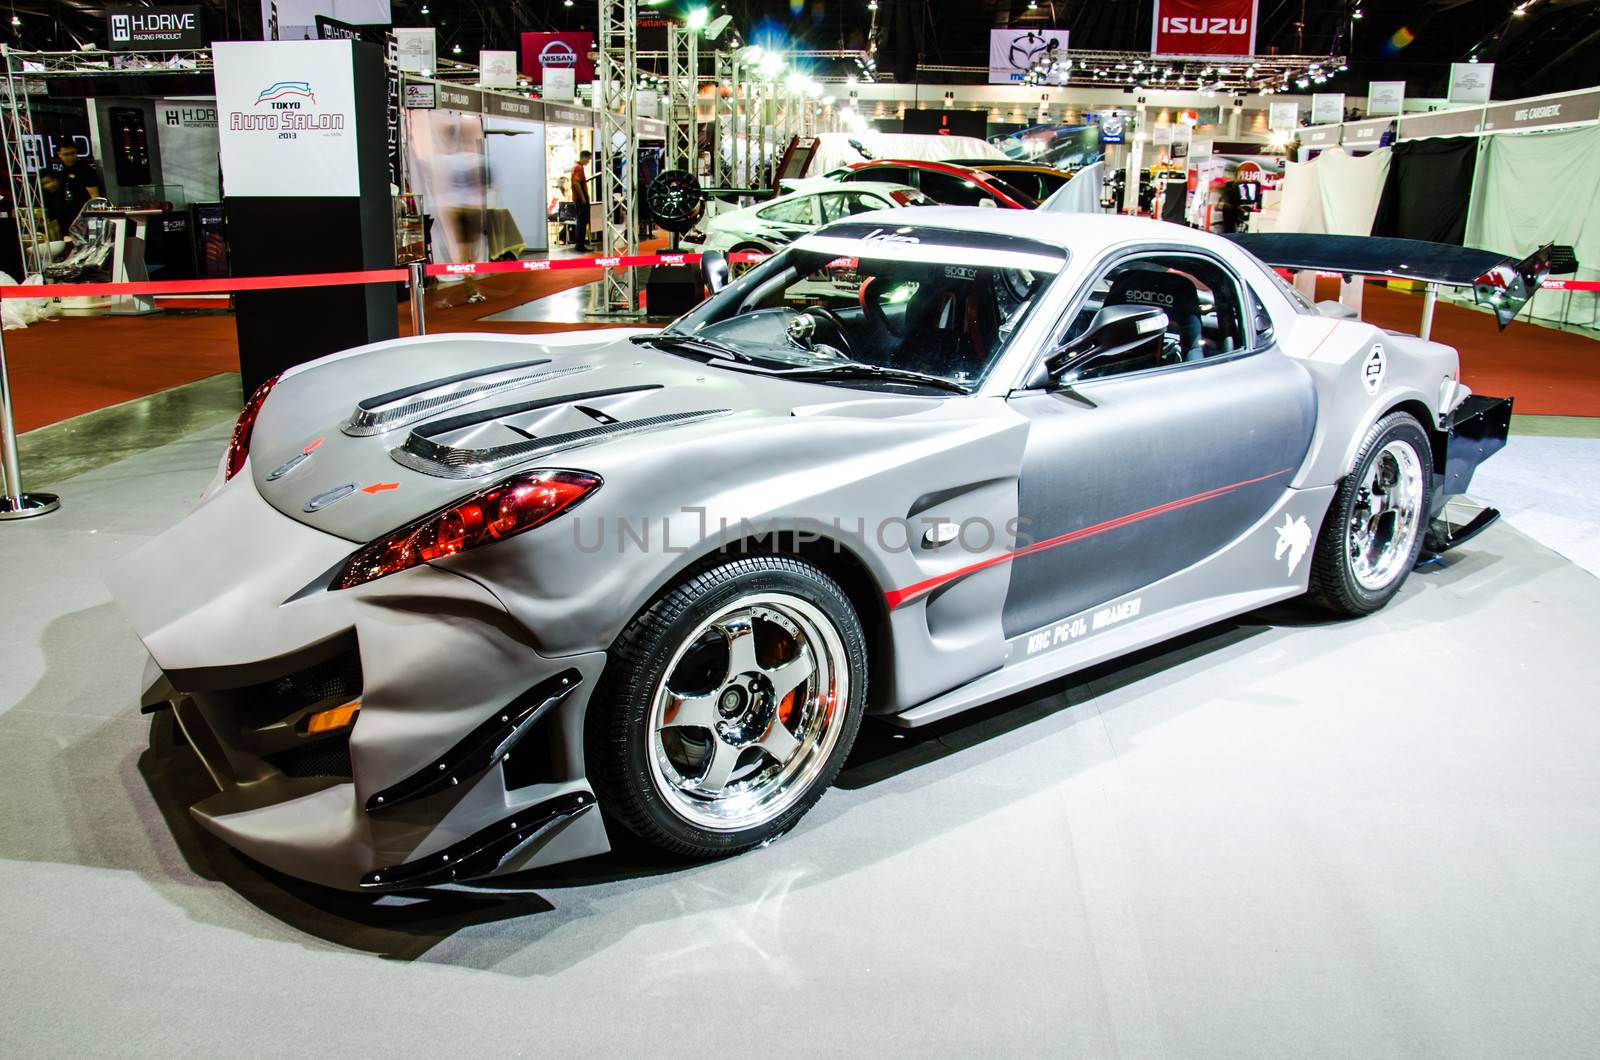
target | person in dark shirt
[{"x": 77, "y": 174}]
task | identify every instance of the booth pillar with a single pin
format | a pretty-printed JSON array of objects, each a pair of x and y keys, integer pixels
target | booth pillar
[{"x": 303, "y": 131}]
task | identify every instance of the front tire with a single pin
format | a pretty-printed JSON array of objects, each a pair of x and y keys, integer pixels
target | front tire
[
  {"x": 1373, "y": 532},
  {"x": 728, "y": 706}
]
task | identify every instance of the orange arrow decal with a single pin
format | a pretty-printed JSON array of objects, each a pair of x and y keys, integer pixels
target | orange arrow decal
[{"x": 379, "y": 487}]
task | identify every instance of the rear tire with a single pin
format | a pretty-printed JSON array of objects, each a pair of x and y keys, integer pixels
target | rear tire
[
  {"x": 728, "y": 706},
  {"x": 1373, "y": 531}
]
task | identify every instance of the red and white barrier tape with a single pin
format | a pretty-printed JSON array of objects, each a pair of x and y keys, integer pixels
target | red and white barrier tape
[{"x": 336, "y": 279}]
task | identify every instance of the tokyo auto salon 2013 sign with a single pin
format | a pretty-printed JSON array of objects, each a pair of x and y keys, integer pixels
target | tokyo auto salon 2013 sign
[
  {"x": 286, "y": 117},
  {"x": 1224, "y": 28},
  {"x": 557, "y": 51}
]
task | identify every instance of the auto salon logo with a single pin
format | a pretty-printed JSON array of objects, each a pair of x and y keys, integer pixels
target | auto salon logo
[
  {"x": 289, "y": 106},
  {"x": 558, "y": 53},
  {"x": 289, "y": 91}
]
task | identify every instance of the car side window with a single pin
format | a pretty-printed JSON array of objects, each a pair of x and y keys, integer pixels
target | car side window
[
  {"x": 953, "y": 190},
  {"x": 795, "y": 211},
  {"x": 884, "y": 173},
  {"x": 840, "y": 204},
  {"x": 1202, "y": 300}
]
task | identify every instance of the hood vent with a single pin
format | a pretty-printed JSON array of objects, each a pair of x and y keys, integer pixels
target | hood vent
[
  {"x": 401, "y": 408},
  {"x": 420, "y": 453}
]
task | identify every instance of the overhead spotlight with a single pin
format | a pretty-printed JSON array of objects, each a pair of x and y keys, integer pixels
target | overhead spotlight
[
  {"x": 1033, "y": 5},
  {"x": 1356, "y": 13},
  {"x": 456, "y": 49},
  {"x": 697, "y": 17},
  {"x": 566, "y": 3},
  {"x": 424, "y": 9},
  {"x": 872, "y": 5}
]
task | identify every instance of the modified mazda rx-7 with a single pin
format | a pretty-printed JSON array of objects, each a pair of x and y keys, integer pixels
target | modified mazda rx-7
[{"x": 461, "y": 605}]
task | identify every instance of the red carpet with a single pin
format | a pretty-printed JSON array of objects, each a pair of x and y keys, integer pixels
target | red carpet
[{"x": 71, "y": 366}]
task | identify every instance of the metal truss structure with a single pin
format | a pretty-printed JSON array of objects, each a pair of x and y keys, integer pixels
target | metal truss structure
[
  {"x": 616, "y": 97},
  {"x": 724, "y": 117},
  {"x": 683, "y": 87}
]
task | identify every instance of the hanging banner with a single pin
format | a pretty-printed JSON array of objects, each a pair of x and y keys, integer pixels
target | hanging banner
[
  {"x": 542, "y": 52},
  {"x": 286, "y": 115},
  {"x": 1224, "y": 28},
  {"x": 1469, "y": 82},
  {"x": 1015, "y": 52},
  {"x": 497, "y": 69},
  {"x": 186, "y": 130},
  {"x": 559, "y": 83},
  {"x": 154, "y": 29},
  {"x": 1327, "y": 108},
  {"x": 415, "y": 50},
  {"x": 646, "y": 102},
  {"x": 1386, "y": 97},
  {"x": 1283, "y": 116}
]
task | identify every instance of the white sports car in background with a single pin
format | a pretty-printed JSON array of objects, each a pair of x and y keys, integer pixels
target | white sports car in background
[{"x": 775, "y": 223}]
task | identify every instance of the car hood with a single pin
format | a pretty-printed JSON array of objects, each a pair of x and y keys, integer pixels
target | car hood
[{"x": 365, "y": 441}]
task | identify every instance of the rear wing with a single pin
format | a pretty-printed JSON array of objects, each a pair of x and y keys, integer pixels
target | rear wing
[{"x": 1498, "y": 282}]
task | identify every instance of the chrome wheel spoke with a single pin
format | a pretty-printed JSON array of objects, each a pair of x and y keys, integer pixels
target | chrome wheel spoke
[
  {"x": 699, "y": 711},
  {"x": 778, "y": 741},
  {"x": 791, "y": 675},
  {"x": 741, "y": 635},
  {"x": 724, "y": 758},
  {"x": 1384, "y": 520}
]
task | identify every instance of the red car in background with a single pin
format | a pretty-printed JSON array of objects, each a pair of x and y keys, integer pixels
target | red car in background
[{"x": 942, "y": 182}]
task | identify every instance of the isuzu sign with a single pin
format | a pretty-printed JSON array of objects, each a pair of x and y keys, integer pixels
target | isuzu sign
[
  {"x": 1224, "y": 28},
  {"x": 154, "y": 29}
]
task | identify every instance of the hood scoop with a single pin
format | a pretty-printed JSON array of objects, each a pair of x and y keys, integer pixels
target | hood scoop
[
  {"x": 422, "y": 452},
  {"x": 408, "y": 405}
]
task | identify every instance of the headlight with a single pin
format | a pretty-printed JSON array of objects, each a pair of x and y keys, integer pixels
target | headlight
[
  {"x": 244, "y": 427},
  {"x": 494, "y": 514}
]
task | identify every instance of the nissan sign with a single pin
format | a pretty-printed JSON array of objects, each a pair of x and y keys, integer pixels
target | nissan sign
[
  {"x": 1223, "y": 28},
  {"x": 557, "y": 51},
  {"x": 154, "y": 29}
]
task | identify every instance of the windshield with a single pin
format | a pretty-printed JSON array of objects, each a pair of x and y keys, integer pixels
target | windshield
[{"x": 939, "y": 303}]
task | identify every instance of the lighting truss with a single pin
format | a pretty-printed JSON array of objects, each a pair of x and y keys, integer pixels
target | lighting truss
[
  {"x": 1263, "y": 74},
  {"x": 683, "y": 84},
  {"x": 616, "y": 97}
]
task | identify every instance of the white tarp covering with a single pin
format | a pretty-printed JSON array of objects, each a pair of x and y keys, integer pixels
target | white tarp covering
[
  {"x": 834, "y": 149},
  {"x": 1081, "y": 194},
  {"x": 1299, "y": 199},
  {"x": 1335, "y": 192},
  {"x": 1539, "y": 188}
]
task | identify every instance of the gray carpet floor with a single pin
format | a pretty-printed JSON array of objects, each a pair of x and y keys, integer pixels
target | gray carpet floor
[{"x": 1279, "y": 837}]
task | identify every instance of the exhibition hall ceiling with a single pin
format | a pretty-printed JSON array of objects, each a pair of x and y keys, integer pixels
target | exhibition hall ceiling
[{"x": 1537, "y": 46}]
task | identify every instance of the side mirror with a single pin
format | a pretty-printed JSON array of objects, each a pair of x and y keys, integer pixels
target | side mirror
[
  {"x": 714, "y": 270},
  {"x": 1125, "y": 337}
]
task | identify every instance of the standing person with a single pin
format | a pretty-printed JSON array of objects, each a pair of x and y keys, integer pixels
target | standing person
[
  {"x": 79, "y": 177},
  {"x": 580, "y": 199}
]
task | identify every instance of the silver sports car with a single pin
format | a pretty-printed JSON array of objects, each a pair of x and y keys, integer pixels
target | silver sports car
[{"x": 462, "y": 605}]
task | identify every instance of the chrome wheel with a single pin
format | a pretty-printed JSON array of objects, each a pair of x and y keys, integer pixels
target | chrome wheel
[
  {"x": 746, "y": 716},
  {"x": 1386, "y": 516}
]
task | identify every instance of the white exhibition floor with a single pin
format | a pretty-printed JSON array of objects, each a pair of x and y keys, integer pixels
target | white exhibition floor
[{"x": 1284, "y": 837}]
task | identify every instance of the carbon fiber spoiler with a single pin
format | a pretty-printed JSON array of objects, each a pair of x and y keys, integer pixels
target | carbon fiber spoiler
[{"x": 1503, "y": 284}]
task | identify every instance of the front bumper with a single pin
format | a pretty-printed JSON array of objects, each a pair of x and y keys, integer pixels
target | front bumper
[{"x": 459, "y": 730}]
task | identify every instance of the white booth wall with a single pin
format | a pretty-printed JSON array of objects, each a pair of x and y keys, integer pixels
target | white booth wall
[{"x": 516, "y": 169}]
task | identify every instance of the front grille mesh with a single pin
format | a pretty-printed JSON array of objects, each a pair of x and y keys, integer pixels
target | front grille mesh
[
  {"x": 322, "y": 758},
  {"x": 338, "y": 678}
]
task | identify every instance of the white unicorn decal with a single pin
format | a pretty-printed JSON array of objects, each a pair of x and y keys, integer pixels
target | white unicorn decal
[{"x": 1294, "y": 537}]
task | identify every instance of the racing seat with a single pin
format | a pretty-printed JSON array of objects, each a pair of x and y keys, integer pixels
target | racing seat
[{"x": 1169, "y": 292}]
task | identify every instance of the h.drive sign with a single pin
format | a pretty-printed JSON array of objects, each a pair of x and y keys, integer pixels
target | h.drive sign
[
  {"x": 1223, "y": 28},
  {"x": 154, "y": 29}
]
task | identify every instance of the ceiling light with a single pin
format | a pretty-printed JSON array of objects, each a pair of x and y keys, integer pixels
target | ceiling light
[{"x": 697, "y": 17}]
